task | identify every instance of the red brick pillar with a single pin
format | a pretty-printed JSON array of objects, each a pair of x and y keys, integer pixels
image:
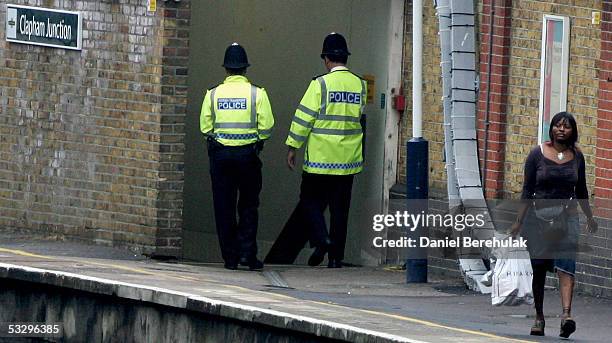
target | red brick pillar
[
  {"x": 603, "y": 160},
  {"x": 500, "y": 62}
]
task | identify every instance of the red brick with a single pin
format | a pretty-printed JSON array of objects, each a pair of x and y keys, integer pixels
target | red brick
[
  {"x": 604, "y": 134},
  {"x": 604, "y": 143},
  {"x": 499, "y": 11},
  {"x": 604, "y": 190},
  {"x": 604, "y": 204},
  {"x": 493, "y": 185},
  {"x": 605, "y": 100},
  {"x": 603, "y": 163},
  {"x": 604, "y": 121},
  {"x": 606, "y": 55},
  {"x": 604, "y": 153},
  {"x": 495, "y": 175},
  {"x": 605, "y": 174},
  {"x": 494, "y": 165},
  {"x": 501, "y": 32},
  {"x": 497, "y": 137},
  {"x": 497, "y": 117},
  {"x": 494, "y": 155},
  {"x": 602, "y": 212}
]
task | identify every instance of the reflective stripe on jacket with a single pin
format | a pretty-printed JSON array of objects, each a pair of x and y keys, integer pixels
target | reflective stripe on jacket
[
  {"x": 328, "y": 120},
  {"x": 236, "y": 112}
]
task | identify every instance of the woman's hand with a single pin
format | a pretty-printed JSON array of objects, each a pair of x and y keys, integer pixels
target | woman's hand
[
  {"x": 592, "y": 225},
  {"x": 515, "y": 229}
]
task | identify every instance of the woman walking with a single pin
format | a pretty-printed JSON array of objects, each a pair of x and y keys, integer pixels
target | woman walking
[{"x": 554, "y": 182}]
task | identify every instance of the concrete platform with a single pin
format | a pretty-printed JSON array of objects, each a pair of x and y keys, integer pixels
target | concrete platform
[{"x": 349, "y": 304}]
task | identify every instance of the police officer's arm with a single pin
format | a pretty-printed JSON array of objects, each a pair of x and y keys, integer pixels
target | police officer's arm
[
  {"x": 265, "y": 118},
  {"x": 206, "y": 124},
  {"x": 305, "y": 116}
]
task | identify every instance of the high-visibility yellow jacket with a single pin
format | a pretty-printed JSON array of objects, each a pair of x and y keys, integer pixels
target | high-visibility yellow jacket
[
  {"x": 328, "y": 118},
  {"x": 236, "y": 112}
]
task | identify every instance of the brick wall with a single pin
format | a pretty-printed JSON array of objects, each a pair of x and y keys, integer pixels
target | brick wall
[
  {"x": 90, "y": 140},
  {"x": 524, "y": 82},
  {"x": 497, "y": 97},
  {"x": 433, "y": 115},
  {"x": 598, "y": 264},
  {"x": 603, "y": 171},
  {"x": 173, "y": 110}
]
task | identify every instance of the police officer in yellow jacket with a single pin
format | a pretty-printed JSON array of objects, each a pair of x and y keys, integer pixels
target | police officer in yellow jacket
[
  {"x": 328, "y": 122},
  {"x": 236, "y": 119}
]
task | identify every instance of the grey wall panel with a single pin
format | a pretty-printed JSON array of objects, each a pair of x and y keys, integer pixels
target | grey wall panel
[
  {"x": 463, "y": 39},
  {"x": 464, "y": 95},
  {"x": 463, "y": 20},
  {"x": 463, "y": 79},
  {"x": 464, "y": 108},
  {"x": 464, "y": 60},
  {"x": 462, "y": 6}
]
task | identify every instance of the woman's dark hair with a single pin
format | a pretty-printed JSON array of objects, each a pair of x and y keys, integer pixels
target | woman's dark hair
[{"x": 559, "y": 117}]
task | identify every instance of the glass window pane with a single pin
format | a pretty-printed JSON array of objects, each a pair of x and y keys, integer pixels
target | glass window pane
[{"x": 554, "y": 74}]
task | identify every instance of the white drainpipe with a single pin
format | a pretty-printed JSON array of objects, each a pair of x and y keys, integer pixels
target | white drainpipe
[{"x": 417, "y": 69}]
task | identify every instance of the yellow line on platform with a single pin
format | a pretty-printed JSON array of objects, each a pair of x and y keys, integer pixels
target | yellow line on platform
[
  {"x": 281, "y": 296},
  {"x": 428, "y": 323},
  {"x": 25, "y": 253},
  {"x": 111, "y": 265}
]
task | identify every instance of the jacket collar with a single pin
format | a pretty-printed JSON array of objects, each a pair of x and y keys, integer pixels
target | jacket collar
[
  {"x": 236, "y": 78},
  {"x": 338, "y": 68}
]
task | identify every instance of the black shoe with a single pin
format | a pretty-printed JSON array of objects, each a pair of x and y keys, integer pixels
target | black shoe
[
  {"x": 568, "y": 326},
  {"x": 230, "y": 265},
  {"x": 538, "y": 327},
  {"x": 317, "y": 256},
  {"x": 255, "y": 264},
  {"x": 334, "y": 264}
]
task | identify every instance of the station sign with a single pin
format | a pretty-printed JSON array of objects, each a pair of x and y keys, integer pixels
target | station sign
[{"x": 44, "y": 26}]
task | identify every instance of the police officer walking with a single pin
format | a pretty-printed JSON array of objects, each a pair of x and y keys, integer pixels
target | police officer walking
[
  {"x": 328, "y": 121},
  {"x": 236, "y": 119}
]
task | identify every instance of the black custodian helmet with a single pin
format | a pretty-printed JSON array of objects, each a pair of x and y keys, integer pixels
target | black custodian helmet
[
  {"x": 334, "y": 44},
  {"x": 235, "y": 57}
]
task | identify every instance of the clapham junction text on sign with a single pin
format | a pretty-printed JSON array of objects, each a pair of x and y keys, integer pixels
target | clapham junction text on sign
[{"x": 43, "y": 26}]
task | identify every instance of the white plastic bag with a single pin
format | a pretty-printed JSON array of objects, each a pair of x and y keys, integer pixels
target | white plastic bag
[{"x": 512, "y": 277}]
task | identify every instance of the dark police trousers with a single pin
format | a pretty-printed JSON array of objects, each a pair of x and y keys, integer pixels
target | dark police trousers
[
  {"x": 236, "y": 180},
  {"x": 307, "y": 222}
]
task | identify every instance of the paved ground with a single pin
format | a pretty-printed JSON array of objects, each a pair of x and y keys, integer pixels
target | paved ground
[{"x": 374, "y": 299}]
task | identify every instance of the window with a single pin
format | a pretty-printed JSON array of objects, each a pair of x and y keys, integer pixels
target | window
[{"x": 553, "y": 71}]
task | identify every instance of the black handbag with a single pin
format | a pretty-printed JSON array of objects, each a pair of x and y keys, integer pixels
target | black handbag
[{"x": 552, "y": 221}]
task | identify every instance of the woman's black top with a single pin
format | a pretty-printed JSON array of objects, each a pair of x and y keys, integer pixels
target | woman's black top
[{"x": 545, "y": 179}]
